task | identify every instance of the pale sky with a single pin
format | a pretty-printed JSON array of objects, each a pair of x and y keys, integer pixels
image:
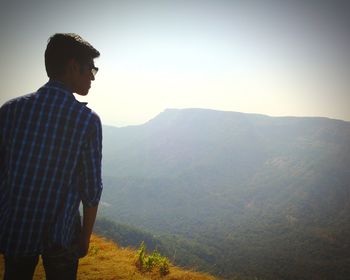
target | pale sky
[{"x": 280, "y": 58}]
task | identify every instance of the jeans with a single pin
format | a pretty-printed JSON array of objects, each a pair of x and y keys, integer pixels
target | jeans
[{"x": 58, "y": 263}]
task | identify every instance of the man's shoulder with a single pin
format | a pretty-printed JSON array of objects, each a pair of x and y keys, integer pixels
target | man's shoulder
[
  {"x": 16, "y": 100},
  {"x": 91, "y": 114},
  {"x": 95, "y": 118},
  {"x": 88, "y": 116}
]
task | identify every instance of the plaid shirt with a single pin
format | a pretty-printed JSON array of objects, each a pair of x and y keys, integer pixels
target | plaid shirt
[{"x": 50, "y": 161}]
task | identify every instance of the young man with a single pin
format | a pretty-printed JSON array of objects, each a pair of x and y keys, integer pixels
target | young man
[{"x": 50, "y": 161}]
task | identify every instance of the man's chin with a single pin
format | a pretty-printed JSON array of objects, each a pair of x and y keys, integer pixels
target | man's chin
[{"x": 82, "y": 93}]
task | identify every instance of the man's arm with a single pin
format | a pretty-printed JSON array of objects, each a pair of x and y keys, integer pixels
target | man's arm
[
  {"x": 2, "y": 145},
  {"x": 89, "y": 217},
  {"x": 91, "y": 185}
]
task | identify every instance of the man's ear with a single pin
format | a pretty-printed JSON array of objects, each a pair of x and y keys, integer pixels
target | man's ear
[{"x": 72, "y": 66}]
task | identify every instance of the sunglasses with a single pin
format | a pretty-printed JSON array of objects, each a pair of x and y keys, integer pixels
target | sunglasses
[{"x": 93, "y": 69}]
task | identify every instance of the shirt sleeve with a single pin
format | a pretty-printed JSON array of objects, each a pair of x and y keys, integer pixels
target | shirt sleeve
[
  {"x": 2, "y": 154},
  {"x": 4, "y": 118},
  {"x": 91, "y": 179}
]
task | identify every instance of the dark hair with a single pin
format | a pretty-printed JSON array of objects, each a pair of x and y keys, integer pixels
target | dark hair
[{"x": 62, "y": 47}]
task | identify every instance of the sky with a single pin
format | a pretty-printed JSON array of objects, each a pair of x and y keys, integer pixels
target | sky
[{"x": 279, "y": 58}]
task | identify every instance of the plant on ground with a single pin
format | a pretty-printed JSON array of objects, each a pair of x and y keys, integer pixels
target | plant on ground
[{"x": 146, "y": 263}]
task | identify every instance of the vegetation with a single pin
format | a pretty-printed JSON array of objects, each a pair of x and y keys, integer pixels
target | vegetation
[
  {"x": 125, "y": 235},
  {"x": 146, "y": 263},
  {"x": 107, "y": 261}
]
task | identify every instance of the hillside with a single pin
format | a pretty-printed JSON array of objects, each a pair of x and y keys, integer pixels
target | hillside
[
  {"x": 234, "y": 193},
  {"x": 107, "y": 261}
]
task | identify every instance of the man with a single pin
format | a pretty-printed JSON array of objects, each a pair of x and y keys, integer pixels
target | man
[{"x": 50, "y": 161}]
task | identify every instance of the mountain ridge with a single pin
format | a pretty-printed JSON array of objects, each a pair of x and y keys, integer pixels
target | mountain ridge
[{"x": 169, "y": 111}]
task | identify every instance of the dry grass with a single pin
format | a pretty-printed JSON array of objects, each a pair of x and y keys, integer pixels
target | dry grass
[{"x": 107, "y": 261}]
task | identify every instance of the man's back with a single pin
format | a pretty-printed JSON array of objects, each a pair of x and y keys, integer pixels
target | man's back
[
  {"x": 50, "y": 150},
  {"x": 50, "y": 161}
]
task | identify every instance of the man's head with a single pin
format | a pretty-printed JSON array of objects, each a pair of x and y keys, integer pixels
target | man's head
[{"x": 69, "y": 58}]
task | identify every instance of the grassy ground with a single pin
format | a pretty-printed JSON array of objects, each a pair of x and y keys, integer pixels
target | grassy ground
[{"x": 107, "y": 261}]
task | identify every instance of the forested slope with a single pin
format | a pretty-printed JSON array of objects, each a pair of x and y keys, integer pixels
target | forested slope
[{"x": 232, "y": 193}]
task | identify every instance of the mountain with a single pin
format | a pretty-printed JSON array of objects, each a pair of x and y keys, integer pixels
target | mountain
[
  {"x": 234, "y": 193},
  {"x": 106, "y": 260},
  {"x": 126, "y": 235}
]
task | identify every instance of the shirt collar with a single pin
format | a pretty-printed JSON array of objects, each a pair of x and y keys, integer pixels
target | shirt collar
[
  {"x": 62, "y": 87},
  {"x": 59, "y": 85}
]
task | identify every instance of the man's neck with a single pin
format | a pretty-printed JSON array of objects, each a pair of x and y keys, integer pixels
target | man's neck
[{"x": 65, "y": 82}]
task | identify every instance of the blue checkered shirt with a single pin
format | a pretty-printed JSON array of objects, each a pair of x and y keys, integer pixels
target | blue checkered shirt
[{"x": 50, "y": 161}]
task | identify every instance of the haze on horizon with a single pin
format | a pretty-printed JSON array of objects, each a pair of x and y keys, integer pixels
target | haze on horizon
[{"x": 280, "y": 58}]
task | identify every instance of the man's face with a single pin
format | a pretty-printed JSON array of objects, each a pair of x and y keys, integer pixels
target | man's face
[{"x": 83, "y": 77}]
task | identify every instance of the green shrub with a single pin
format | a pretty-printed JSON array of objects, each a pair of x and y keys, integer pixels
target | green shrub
[{"x": 146, "y": 263}]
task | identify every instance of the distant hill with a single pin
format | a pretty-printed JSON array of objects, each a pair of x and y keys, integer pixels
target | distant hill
[
  {"x": 126, "y": 235},
  {"x": 107, "y": 261},
  {"x": 230, "y": 193}
]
